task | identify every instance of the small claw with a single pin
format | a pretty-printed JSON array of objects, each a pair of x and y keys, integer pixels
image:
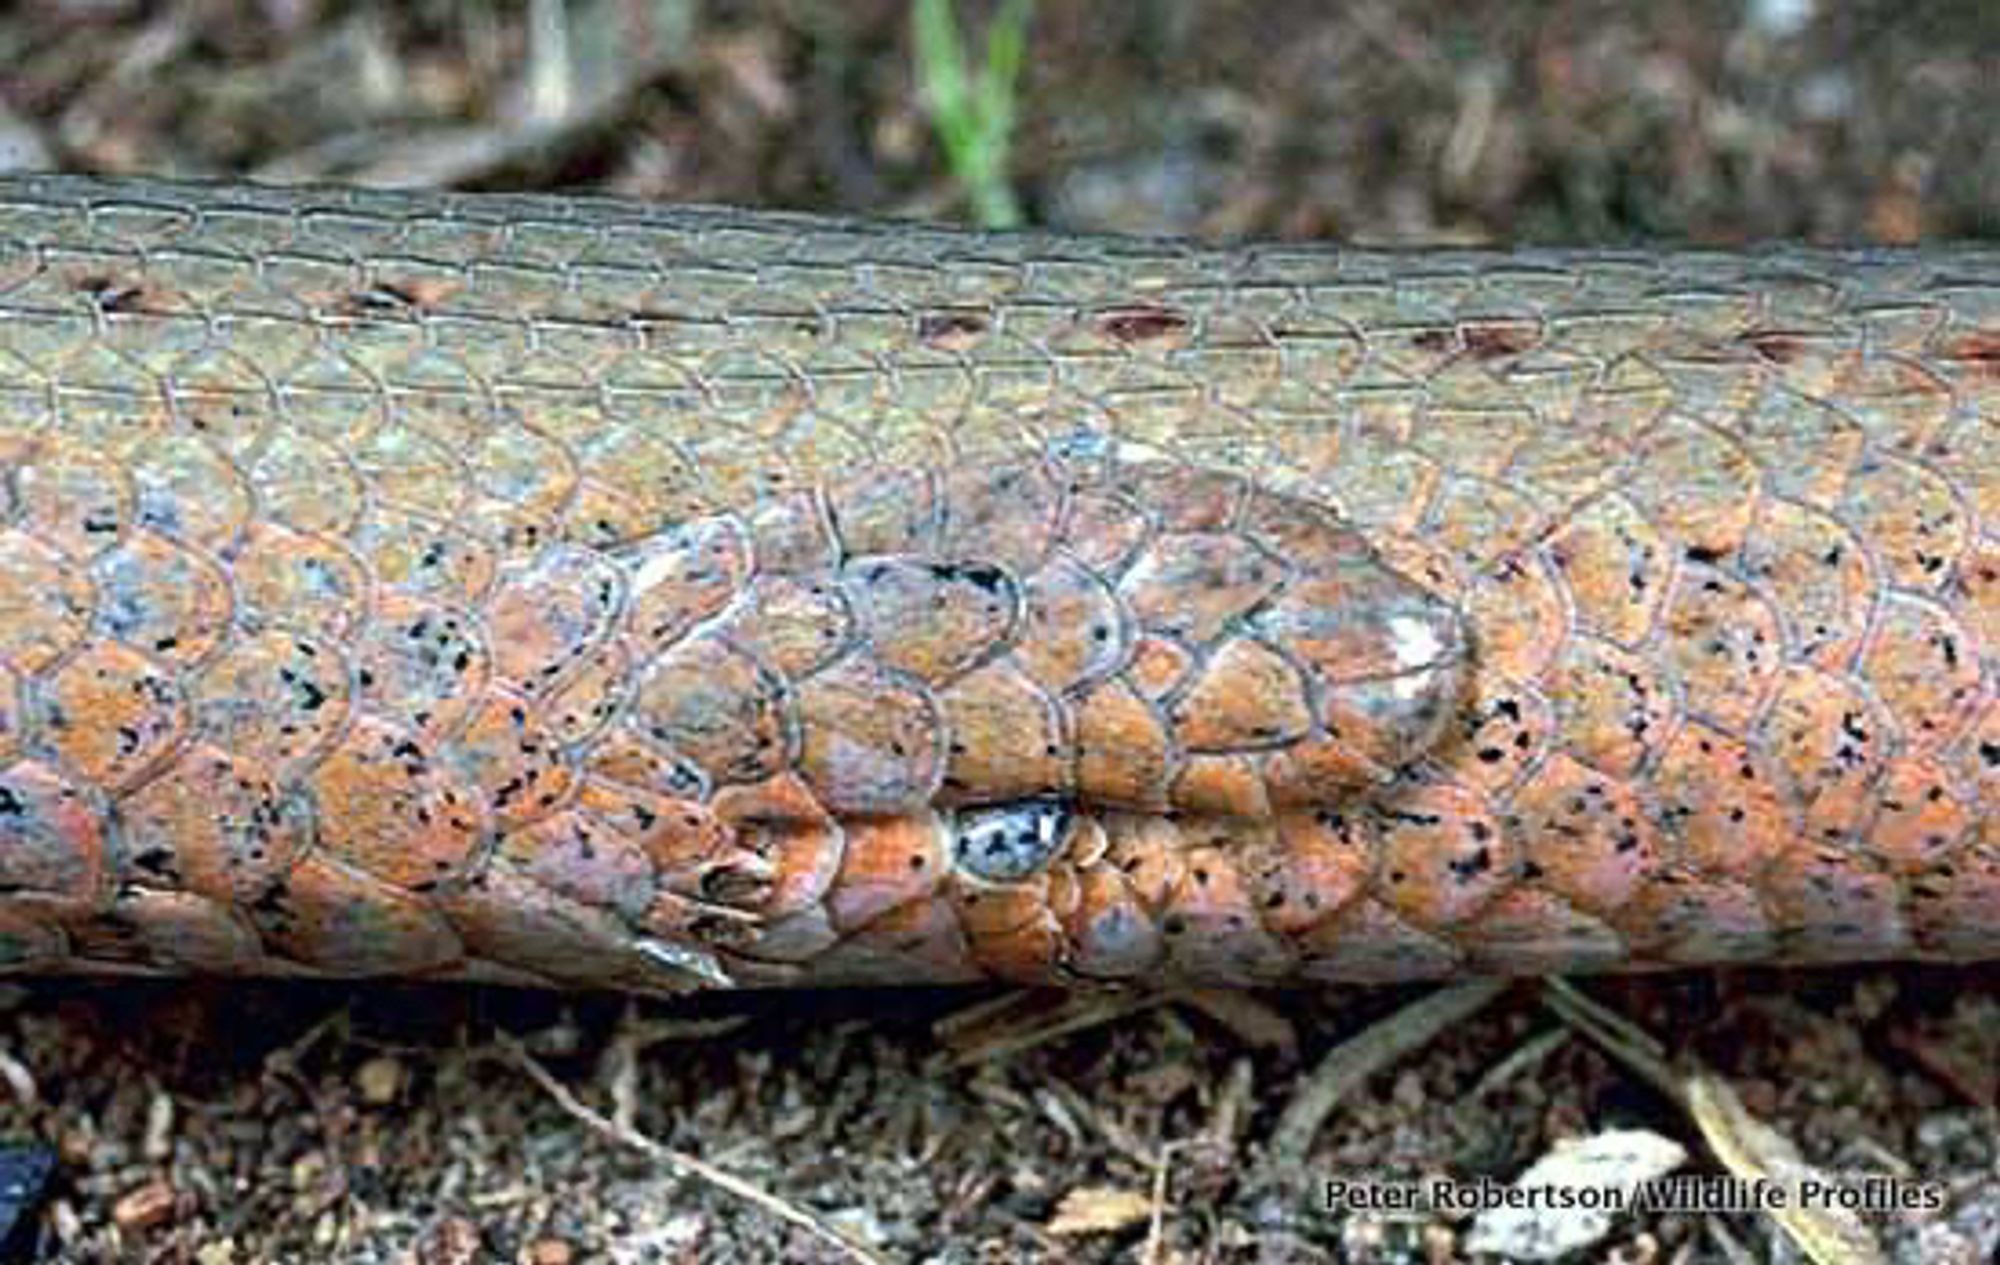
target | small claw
[{"x": 689, "y": 970}]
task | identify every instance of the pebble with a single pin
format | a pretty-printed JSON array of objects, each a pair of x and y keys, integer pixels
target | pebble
[
  {"x": 380, "y": 1080},
  {"x": 550, "y": 1251},
  {"x": 145, "y": 1207}
]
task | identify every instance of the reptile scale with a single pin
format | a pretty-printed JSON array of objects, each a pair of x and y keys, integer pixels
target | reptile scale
[{"x": 571, "y": 591}]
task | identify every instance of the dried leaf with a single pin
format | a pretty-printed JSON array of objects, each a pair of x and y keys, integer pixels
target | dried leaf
[
  {"x": 1099, "y": 1210},
  {"x": 1755, "y": 1152}
]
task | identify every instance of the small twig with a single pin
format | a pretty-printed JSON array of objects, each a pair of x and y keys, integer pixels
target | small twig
[
  {"x": 681, "y": 1161},
  {"x": 1005, "y": 1027},
  {"x": 1156, "y": 1226},
  {"x": 1524, "y": 1056},
  {"x": 1616, "y": 1035},
  {"x": 1360, "y": 1057}
]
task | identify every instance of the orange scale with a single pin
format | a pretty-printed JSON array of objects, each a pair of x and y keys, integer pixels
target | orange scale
[
  {"x": 1829, "y": 740},
  {"x": 647, "y": 815},
  {"x": 627, "y": 759},
  {"x": 333, "y": 920},
  {"x": 595, "y": 693},
  {"x": 932, "y": 620},
  {"x": 1818, "y": 574},
  {"x": 1159, "y": 666},
  {"x": 1828, "y": 905},
  {"x": 680, "y": 576},
  {"x": 1210, "y": 925},
  {"x": 285, "y": 696},
  {"x": 1190, "y": 586},
  {"x": 1521, "y": 616},
  {"x": 1245, "y": 696},
  {"x": 1584, "y": 835},
  {"x": 218, "y": 825},
  {"x": 1370, "y": 944},
  {"x": 549, "y": 615},
  {"x": 1443, "y": 855},
  {"x": 577, "y": 856},
  {"x": 515, "y": 763},
  {"x": 387, "y": 805},
  {"x": 1320, "y": 863},
  {"x": 51, "y": 838},
  {"x": 1725, "y": 645},
  {"x": 1689, "y": 920},
  {"x": 1504, "y": 730},
  {"x": 1075, "y": 634},
  {"x": 1317, "y": 771},
  {"x": 1925, "y": 667},
  {"x": 1721, "y": 800},
  {"x": 717, "y": 707},
  {"x": 1529, "y": 932},
  {"x": 1618, "y": 568},
  {"x": 1228, "y": 785},
  {"x": 1006, "y": 737},
  {"x": 887, "y": 862},
  {"x": 794, "y": 625},
  {"x": 780, "y": 821},
  {"x": 1955, "y": 909},
  {"x": 1112, "y": 934},
  {"x": 1126, "y": 754},
  {"x": 45, "y": 602},
  {"x": 869, "y": 742},
  {"x": 1923, "y": 820},
  {"x": 1615, "y": 709},
  {"x": 113, "y": 714}
]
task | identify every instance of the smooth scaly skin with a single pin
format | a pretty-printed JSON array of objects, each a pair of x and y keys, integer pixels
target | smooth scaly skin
[{"x": 573, "y": 591}]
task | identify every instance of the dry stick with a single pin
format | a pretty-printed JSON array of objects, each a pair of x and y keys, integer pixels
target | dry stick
[
  {"x": 681, "y": 1161},
  {"x": 1156, "y": 1223},
  {"x": 1360, "y": 1057}
]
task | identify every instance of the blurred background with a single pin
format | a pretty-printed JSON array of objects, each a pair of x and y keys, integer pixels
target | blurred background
[
  {"x": 1379, "y": 120},
  {"x": 230, "y": 1122}
]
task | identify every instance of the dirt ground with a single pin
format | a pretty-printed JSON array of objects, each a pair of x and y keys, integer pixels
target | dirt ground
[{"x": 235, "y": 1123}]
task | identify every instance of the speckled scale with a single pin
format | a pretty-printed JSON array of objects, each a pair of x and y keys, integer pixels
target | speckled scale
[{"x": 489, "y": 589}]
